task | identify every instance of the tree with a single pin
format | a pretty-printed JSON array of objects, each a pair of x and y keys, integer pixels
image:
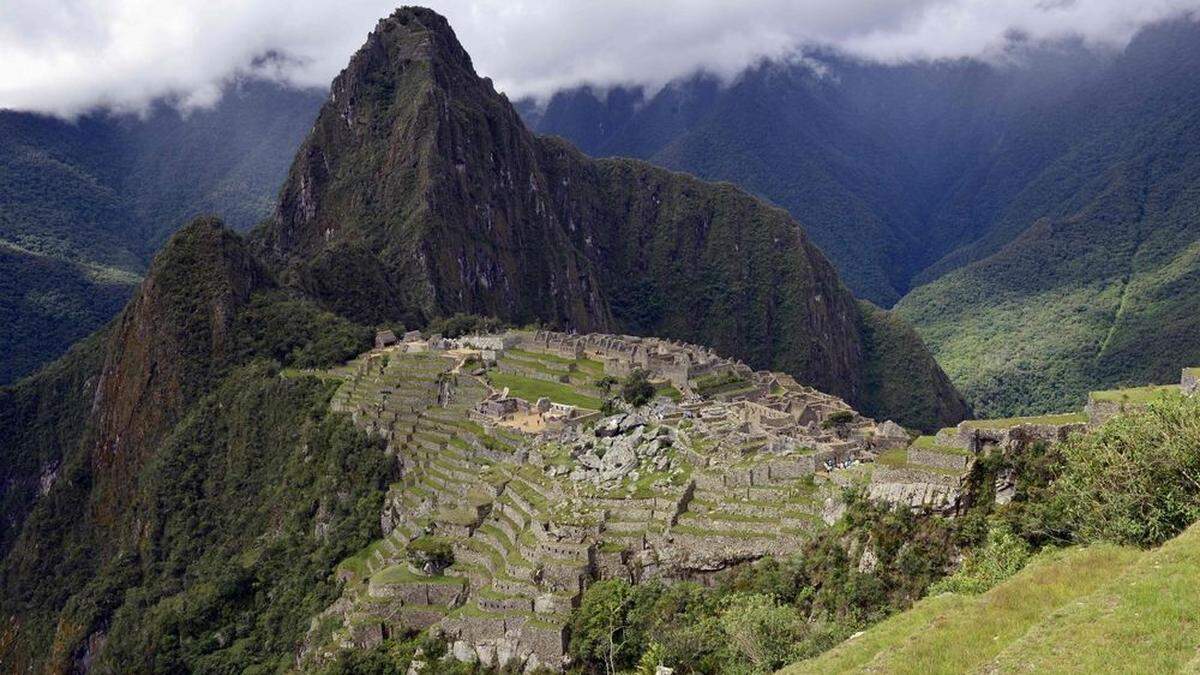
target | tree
[
  {"x": 637, "y": 390},
  {"x": 598, "y": 625},
  {"x": 761, "y": 629},
  {"x": 606, "y": 383}
]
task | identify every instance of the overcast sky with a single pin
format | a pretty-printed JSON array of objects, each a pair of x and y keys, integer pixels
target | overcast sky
[{"x": 68, "y": 56}]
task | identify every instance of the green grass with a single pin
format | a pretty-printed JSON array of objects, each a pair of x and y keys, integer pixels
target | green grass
[
  {"x": 930, "y": 443},
  {"x": 539, "y": 356},
  {"x": 1007, "y": 422},
  {"x": 896, "y": 458},
  {"x": 1096, "y": 609},
  {"x": 669, "y": 391},
  {"x": 1133, "y": 395},
  {"x": 357, "y": 563},
  {"x": 531, "y": 390},
  {"x": 716, "y": 383}
]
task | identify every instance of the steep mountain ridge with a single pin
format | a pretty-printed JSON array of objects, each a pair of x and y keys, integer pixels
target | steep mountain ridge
[
  {"x": 171, "y": 343},
  {"x": 166, "y": 452},
  {"x": 889, "y": 168},
  {"x": 84, "y": 204},
  {"x": 420, "y": 193}
]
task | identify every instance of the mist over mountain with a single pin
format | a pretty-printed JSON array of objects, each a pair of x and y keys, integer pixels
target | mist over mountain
[
  {"x": 420, "y": 194},
  {"x": 902, "y": 174},
  {"x": 438, "y": 393},
  {"x": 85, "y": 204}
]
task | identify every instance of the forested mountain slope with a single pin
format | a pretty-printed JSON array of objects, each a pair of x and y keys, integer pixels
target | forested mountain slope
[
  {"x": 1065, "y": 175},
  {"x": 1103, "y": 287},
  {"x": 888, "y": 168},
  {"x": 160, "y": 479},
  {"x": 176, "y": 489},
  {"x": 84, "y": 204}
]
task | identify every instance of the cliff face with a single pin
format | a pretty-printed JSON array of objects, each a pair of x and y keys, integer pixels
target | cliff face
[{"x": 420, "y": 193}]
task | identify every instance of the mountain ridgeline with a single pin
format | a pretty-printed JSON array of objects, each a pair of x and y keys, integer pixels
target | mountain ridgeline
[
  {"x": 420, "y": 193},
  {"x": 84, "y": 204},
  {"x": 1034, "y": 219},
  {"x": 176, "y": 488}
]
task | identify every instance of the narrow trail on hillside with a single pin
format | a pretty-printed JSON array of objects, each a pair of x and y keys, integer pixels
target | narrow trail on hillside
[{"x": 1127, "y": 279}]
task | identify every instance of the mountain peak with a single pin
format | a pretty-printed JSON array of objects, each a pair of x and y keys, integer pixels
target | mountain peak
[
  {"x": 411, "y": 41},
  {"x": 419, "y": 194}
]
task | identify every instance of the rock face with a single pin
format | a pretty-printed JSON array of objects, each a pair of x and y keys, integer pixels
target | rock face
[{"x": 420, "y": 193}]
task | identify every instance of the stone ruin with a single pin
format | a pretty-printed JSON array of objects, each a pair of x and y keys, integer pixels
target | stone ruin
[{"x": 738, "y": 465}]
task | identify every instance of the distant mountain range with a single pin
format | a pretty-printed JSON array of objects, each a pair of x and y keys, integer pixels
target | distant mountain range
[
  {"x": 1058, "y": 193},
  {"x": 85, "y": 204}
]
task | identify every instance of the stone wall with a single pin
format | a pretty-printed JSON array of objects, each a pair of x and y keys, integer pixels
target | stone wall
[
  {"x": 1189, "y": 381},
  {"x": 975, "y": 438},
  {"x": 1099, "y": 412},
  {"x": 942, "y": 460}
]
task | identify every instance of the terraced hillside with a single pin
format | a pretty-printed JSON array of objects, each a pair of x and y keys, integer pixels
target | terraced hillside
[
  {"x": 1097, "y": 609},
  {"x": 515, "y": 492},
  {"x": 515, "y": 495}
]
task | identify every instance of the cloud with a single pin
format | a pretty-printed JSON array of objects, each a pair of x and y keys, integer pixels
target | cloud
[{"x": 68, "y": 56}]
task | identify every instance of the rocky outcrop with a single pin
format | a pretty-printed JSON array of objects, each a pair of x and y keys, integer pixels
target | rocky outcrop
[{"x": 420, "y": 193}]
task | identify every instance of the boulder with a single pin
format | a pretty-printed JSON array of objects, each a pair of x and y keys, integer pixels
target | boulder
[{"x": 462, "y": 651}]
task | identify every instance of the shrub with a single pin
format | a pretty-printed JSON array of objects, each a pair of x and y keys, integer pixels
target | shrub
[
  {"x": 837, "y": 418},
  {"x": 637, "y": 390},
  {"x": 609, "y": 407},
  {"x": 605, "y": 384},
  {"x": 1003, "y": 555},
  {"x": 1136, "y": 479},
  {"x": 761, "y": 630}
]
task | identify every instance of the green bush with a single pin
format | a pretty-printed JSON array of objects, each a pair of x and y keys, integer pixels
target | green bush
[
  {"x": 761, "y": 631},
  {"x": 1001, "y": 556},
  {"x": 837, "y": 418},
  {"x": 637, "y": 390},
  {"x": 764, "y": 615},
  {"x": 606, "y": 383},
  {"x": 1136, "y": 479}
]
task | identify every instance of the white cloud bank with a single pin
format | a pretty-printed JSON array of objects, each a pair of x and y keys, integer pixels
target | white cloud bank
[{"x": 68, "y": 56}]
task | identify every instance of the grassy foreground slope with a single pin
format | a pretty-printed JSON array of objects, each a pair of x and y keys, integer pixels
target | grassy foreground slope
[{"x": 1084, "y": 609}]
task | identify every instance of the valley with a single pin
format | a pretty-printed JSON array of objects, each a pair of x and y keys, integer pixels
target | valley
[{"x": 468, "y": 399}]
